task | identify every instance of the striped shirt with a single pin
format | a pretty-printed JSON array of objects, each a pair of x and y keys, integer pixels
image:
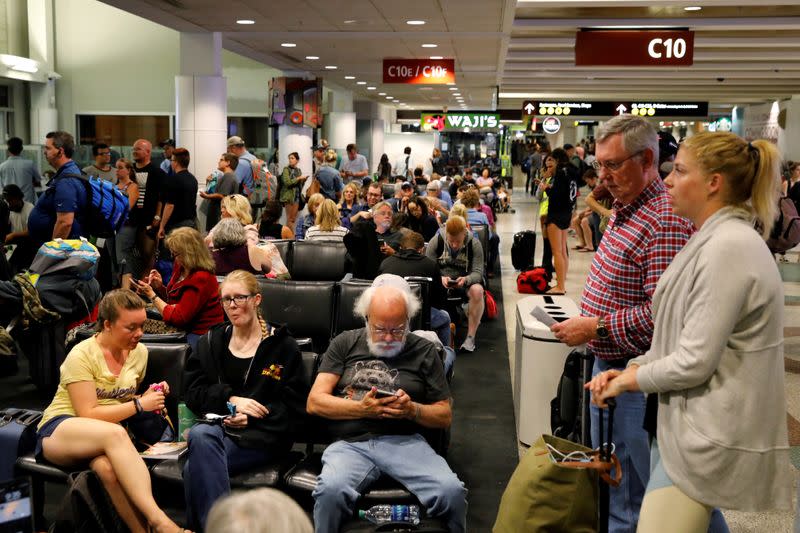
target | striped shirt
[
  {"x": 314, "y": 233},
  {"x": 640, "y": 242}
]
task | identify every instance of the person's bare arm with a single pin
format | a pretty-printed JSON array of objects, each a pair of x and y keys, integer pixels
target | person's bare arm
[
  {"x": 63, "y": 225},
  {"x": 322, "y": 402},
  {"x": 83, "y": 395}
]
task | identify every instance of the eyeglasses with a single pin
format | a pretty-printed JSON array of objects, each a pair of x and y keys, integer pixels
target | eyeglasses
[
  {"x": 103, "y": 153},
  {"x": 613, "y": 166},
  {"x": 396, "y": 333},
  {"x": 239, "y": 299}
]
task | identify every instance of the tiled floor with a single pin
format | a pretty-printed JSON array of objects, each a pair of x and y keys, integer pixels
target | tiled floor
[{"x": 527, "y": 209}]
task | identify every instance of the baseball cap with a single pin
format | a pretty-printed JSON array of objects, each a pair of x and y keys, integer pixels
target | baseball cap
[
  {"x": 667, "y": 145},
  {"x": 235, "y": 141},
  {"x": 167, "y": 142}
]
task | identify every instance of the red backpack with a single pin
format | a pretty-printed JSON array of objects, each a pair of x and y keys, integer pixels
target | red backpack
[{"x": 533, "y": 281}]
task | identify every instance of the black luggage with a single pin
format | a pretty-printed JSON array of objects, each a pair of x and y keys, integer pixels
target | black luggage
[
  {"x": 523, "y": 249},
  {"x": 569, "y": 410},
  {"x": 45, "y": 347},
  {"x": 17, "y": 437}
]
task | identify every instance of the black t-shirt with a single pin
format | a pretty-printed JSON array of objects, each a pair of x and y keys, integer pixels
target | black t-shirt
[
  {"x": 233, "y": 370},
  {"x": 417, "y": 370},
  {"x": 151, "y": 180},
  {"x": 181, "y": 191}
]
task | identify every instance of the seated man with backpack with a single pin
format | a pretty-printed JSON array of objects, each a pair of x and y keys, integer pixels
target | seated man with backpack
[{"x": 460, "y": 258}]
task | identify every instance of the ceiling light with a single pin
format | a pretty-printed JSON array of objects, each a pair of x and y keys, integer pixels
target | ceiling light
[
  {"x": 389, "y": 98},
  {"x": 331, "y": 67},
  {"x": 437, "y": 57},
  {"x": 351, "y": 21},
  {"x": 381, "y": 94},
  {"x": 349, "y": 77},
  {"x": 692, "y": 8},
  {"x": 245, "y": 21},
  {"x": 415, "y": 22},
  {"x": 361, "y": 83},
  {"x": 396, "y": 101},
  {"x": 370, "y": 88},
  {"x": 450, "y": 83},
  {"x": 288, "y": 45},
  {"x": 453, "y": 89},
  {"x": 312, "y": 57},
  {"x": 456, "y": 94},
  {"x": 429, "y": 45}
]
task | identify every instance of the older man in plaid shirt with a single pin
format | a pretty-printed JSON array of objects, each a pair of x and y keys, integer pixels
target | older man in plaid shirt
[{"x": 643, "y": 236}]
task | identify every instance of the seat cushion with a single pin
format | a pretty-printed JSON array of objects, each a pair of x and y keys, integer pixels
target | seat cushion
[
  {"x": 318, "y": 261},
  {"x": 268, "y": 475},
  {"x": 29, "y": 464}
]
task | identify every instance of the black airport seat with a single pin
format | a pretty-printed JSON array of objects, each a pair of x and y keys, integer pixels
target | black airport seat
[
  {"x": 318, "y": 261},
  {"x": 481, "y": 231},
  {"x": 349, "y": 291},
  {"x": 285, "y": 247}
]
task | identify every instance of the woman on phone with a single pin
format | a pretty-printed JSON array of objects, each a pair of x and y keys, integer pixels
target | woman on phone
[
  {"x": 716, "y": 359},
  {"x": 291, "y": 184},
  {"x": 254, "y": 367},
  {"x": 97, "y": 391}
]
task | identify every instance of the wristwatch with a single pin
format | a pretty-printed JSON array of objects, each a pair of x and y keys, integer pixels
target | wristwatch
[{"x": 602, "y": 330}]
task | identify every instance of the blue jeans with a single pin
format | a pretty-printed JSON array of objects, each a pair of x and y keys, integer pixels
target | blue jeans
[
  {"x": 349, "y": 468},
  {"x": 440, "y": 323},
  {"x": 192, "y": 339},
  {"x": 212, "y": 458},
  {"x": 633, "y": 451},
  {"x": 660, "y": 480}
]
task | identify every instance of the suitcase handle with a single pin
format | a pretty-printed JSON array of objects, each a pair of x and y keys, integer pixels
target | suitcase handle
[{"x": 29, "y": 417}]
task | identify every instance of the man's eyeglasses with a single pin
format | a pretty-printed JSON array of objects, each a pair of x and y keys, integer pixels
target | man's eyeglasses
[
  {"x": 613, "y": 166},
  {"x": 103, "y": 153},
  {"x": 239, "y": 299},
  {"x": 396, "y": 333}
]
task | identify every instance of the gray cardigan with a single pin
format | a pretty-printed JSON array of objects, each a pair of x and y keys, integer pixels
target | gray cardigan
[{"x": 716, "y": 361}]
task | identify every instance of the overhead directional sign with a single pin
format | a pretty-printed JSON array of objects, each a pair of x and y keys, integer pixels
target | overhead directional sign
[
  {"x": 607, "y": 109},
  {"x": 528, "y": 108},
  {"x": 651, "y": 48},
  {"x": 419, "y": 71}
]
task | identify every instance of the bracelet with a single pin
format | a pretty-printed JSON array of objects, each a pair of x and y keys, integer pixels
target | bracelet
[
  {"x": 416, "y": 415},
  {"x": 138, "y": 405}
]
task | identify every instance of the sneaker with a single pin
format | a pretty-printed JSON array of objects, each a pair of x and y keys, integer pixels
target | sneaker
[{"x": 469, "y": 345}]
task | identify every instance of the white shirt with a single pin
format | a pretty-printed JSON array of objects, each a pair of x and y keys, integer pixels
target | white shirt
[
  {"x": 404, "y": 166},
  {"x": 19, "y": 221}
]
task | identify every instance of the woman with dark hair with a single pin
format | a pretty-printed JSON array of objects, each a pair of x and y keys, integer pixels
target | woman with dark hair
[
  {"x": 270, "y": 227},
  {"x": 384, "y": 169},
  {"x": 96, "y": 392},
  {"x": 562, "y": 192},
  {"x": 420, "y": 219},
  {"x": 291, "y": 184},
  {"x": 258, "y": 369},
  {"x": 125, "y": 239}
]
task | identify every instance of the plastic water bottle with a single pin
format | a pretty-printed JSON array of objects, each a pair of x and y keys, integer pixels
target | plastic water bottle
[{"x": 380, "y": 514}]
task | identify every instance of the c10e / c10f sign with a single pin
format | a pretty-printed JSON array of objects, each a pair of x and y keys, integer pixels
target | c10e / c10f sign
[
  {"x": 419, "y": 71},
  {"x": 629, "y": 48}
]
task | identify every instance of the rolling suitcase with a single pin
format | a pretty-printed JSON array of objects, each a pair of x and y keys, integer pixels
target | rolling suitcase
[
  {"x": 17, "y": 437},
  {"x": 523, "y": 249}
]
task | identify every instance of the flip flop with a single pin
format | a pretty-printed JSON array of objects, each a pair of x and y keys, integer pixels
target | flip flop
[{"x": 552, "y": 292}]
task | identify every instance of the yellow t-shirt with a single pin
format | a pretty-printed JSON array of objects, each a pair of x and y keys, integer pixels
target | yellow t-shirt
[{"x": 85, "y": 362}]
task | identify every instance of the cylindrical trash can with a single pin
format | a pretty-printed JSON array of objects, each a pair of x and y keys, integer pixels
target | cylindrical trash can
[{"x": 539, "y": 363}]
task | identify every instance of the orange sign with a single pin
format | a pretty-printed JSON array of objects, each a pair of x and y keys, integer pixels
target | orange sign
[{"x": 419, "y": 71}]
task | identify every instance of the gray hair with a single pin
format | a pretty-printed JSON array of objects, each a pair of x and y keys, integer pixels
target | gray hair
[
  {"x": 245, "y": 512},
  {"x": 637, "y": 134},
  {"x": 364, "y": 301},
  {"x": 228, "y": 233},
  {"x": 382, "y": 203}
]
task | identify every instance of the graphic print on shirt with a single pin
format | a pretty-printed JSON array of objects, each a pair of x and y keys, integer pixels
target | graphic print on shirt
[
  {"x": 141, "y": 181},
  {"x": 368, "y": 374}
]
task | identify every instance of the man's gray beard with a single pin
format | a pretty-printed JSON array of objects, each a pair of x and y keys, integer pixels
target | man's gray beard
[{"x": 375, "y": 348}]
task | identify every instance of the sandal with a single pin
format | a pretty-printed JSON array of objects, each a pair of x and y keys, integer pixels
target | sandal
[{"x": 554, "y": 292}]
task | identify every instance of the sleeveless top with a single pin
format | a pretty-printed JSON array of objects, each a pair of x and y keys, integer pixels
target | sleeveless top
[
  {"x": 229, "y": 259},
  {"x": 133, "y": 213},
  {"x": 271, "y": 231}
]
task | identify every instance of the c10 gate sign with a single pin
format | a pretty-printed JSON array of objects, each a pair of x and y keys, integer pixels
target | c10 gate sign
[
  {"x": 419, "y": 71},
  {"x": 650, "y": 48}
]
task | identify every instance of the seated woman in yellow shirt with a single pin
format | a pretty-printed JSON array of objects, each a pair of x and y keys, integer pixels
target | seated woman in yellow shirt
[{"x": 97, "y": 391}]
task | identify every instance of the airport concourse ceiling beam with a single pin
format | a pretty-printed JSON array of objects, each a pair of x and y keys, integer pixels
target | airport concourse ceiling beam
[
  {"x": 717, "y": 23},
  {"x": 540, "y": 43}
]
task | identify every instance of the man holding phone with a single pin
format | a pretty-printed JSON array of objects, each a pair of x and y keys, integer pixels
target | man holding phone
[{"x": 460, "y": 259}]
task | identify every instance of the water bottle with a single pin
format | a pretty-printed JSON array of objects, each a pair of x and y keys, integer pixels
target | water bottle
[{"x": 380, "y": 514}]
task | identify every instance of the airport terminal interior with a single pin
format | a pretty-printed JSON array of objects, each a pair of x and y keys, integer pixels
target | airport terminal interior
[{"x": 419, "y": 97}]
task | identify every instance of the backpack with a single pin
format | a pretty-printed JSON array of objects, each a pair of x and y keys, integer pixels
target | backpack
[
  {"x": 533, "y": 281},
  {"x": 263, "y": 187},
  {"x": 87, "y": 508},
  {"x": 786, "y": 232},
  {"x": 106, "y": 206},
  {"x": 78, "y": 257},
  {"x": 565, "y": 408}
]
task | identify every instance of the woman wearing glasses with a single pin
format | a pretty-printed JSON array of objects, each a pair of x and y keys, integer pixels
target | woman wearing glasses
[{"x": 255, "y": 368}]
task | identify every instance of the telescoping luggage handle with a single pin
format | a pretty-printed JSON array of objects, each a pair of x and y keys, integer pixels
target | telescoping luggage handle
[{"x": 604, "y": 460}]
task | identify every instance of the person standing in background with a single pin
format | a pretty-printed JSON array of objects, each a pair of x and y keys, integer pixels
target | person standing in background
[
  {"x": 150, "y": 179},
  {"x": 180, "y": 196},
  {"x": 101, "y": 168},
  {"x": 20, "y": 171},
  {"x": 168, "y": 146}
]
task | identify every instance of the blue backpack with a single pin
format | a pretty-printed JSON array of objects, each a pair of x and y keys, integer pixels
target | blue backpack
[{"x": 106, "y": 206}]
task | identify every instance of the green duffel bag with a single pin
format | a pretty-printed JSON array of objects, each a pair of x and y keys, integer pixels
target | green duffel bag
[{"x": 545, "y": 494}]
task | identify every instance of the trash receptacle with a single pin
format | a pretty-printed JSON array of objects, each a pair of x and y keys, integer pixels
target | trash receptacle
[{"x": 539, "y": 362}]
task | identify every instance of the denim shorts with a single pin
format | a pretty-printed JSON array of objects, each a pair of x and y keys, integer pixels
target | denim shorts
[{"x": 45, "y": 431}]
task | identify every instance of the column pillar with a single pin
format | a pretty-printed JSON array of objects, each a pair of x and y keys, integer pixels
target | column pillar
[
  {"x": 340, "y": 129},
  {"x": 296, "y": 139},
  {"x": 43, "y": 111}
]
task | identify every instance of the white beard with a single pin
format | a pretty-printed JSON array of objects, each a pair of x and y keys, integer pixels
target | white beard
[{"x": 386, "y": 350}]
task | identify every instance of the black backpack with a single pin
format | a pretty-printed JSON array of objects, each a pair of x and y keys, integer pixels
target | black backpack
[
  {"x": 570, "y": 405},
  {"x": 87, "y": 508}
]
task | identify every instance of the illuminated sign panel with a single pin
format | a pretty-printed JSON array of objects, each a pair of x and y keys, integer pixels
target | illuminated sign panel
[
  {"x": 419, "y": 71},
  {"x": 458, "y": 121},
  {"x": 601, "y": 109},
  {"x": 649, "y": 48}
]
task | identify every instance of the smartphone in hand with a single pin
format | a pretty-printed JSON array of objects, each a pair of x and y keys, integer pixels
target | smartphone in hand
[{"x": 380, "y": 393}]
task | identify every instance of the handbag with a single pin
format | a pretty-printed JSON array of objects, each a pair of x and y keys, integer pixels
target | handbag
[
  {"x": 147, "y": 428},
  {"x": 313, "y": 189},
  {"x": 490, "y": 308}
]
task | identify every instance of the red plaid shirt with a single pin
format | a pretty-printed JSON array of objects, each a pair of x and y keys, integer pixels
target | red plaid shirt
[{"x": 640, "y": 242}]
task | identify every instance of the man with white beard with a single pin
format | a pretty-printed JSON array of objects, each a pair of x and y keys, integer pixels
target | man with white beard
[{"x": 378, "y": 386}]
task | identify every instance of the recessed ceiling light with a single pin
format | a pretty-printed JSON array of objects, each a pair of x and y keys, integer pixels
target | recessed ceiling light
[
  {"x": 312, "y": 57},
  {"x": 349, "y": 77},
  {"x": 396, "y": 101},
  {"x": 692, "y": 8},
  {"x": 456, "y": 94},
  {"x": 288, "y": 45},
  {"x": 389, "y": 98},
  {"x": 415, "y": 22},
  {"x": 370, "y": 88},
  {"x": 437, "y": 57},
  {"x": 245, "y": 21},
  {"x": 331, "y": 67},
  {"x": 351, "y": 21},
  {"x": 450, "y": 83},
  {"x": 381, "y": 94},
  {"x": 429, "y": 45},
  {"x": 361, "y": 83}
]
